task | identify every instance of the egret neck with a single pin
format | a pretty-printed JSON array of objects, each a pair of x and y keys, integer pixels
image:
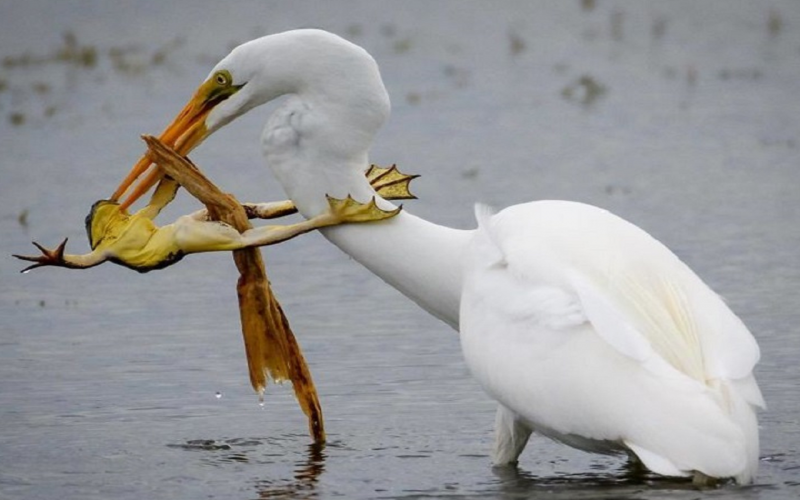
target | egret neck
[
  {"x": 420, "y": 259},
  {"x": 407, "y": 252}
]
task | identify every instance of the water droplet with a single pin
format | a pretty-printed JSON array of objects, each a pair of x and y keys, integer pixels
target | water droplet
[
  {"x": 218, "y": 395},
  {"x": 261, "y": 400}
]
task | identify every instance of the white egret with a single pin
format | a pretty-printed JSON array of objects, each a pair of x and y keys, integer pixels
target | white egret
[{"x": 582, "y": 326}]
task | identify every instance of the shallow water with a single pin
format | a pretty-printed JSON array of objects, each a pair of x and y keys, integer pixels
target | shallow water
[{"x": 679, "y": 116}]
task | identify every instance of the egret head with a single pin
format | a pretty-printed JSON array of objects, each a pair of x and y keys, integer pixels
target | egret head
[
  {"x": 187, "y": 131},
  {"x": 320, "y": 66}
]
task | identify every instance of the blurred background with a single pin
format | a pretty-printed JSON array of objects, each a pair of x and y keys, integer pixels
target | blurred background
[{"x": 680, "y": 116}]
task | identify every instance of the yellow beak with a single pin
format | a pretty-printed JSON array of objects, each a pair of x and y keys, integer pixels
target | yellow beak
[{"x": 186, "y": 131}]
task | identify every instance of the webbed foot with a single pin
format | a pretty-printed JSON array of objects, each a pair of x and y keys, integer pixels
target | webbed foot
[
  {"x": 350, "y": 210},
  {"x": 390, "y": 183}
]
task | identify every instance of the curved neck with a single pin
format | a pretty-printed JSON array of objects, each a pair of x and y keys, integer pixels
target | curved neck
[
  {"x": 316, "y": 144},
  {"x": 420, "y": 259}
]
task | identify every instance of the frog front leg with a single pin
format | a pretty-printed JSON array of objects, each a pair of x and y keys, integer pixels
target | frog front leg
[{"x": 58, "y": 258}]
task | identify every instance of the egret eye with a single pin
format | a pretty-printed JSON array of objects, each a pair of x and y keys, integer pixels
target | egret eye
[{"x": 222, "y": 79}]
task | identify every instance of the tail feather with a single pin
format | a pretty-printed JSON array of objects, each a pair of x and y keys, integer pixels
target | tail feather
[{"x": 743, "y": 414}]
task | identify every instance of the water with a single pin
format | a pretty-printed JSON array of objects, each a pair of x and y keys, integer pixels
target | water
[{"x": 679, "y": 116}]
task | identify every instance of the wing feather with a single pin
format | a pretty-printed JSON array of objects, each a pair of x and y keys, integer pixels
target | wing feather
[{"x": 638, "y": 295}]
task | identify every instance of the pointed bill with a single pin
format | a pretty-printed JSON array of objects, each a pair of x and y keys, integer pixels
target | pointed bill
[{"x": 186, "y": 132}]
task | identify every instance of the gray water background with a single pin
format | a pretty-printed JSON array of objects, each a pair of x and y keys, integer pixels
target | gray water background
[{"x": 680, "y": 116}]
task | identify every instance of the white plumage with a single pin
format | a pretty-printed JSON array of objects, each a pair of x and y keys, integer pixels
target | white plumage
[
  {"x": 582, "y": 326},
  {"x": 595, "y": 334}
]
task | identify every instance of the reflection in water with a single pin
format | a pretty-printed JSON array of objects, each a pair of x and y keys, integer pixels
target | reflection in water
[
  {"x": 629, "y": 482},
  {"x": 274, "y": 451},
  {"x": 306, "y": 474}
]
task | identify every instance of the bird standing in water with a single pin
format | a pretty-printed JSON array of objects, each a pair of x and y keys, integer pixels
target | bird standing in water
[{"x": 582, "y": 326}]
